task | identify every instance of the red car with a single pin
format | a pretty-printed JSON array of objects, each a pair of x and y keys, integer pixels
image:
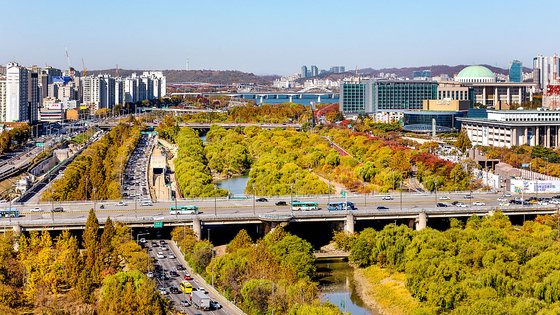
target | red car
[{"x": 187, "y": 277}]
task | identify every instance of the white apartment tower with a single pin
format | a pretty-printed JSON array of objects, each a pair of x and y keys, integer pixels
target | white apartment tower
[
  {"x": 545, "y": 70},
  {"x": 16, "y": 93},
  {"x": 2, "y": 98}
]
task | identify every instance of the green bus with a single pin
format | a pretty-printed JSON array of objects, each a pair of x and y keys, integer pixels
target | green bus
[
  {"x": 183, "y": 210},
  {"x": 304, "y": 205}
]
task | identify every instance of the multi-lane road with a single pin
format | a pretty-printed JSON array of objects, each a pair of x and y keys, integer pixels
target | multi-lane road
[
  {"x": 135, "y": 181},
  {"x": 172, "y": 273},
  {"x": 133, "y": 209}
]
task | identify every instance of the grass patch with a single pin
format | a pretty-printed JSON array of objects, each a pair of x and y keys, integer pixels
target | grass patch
[{"x": 385, "y": 291}]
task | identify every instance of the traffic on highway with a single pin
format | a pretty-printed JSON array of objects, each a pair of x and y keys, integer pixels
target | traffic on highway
[
  {"x": 176, "y": 283},
  {"x": 134, "y": 182}
]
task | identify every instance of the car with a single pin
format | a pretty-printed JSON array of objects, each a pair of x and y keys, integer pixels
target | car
[
  {"x": 203, "y": 290},
  {"x": 478, "y": 203},
  {"x": 281, "y": 203},
  {"x": 154, "y": 244},
  {"x": 180, "y": 267},
  {"x": 163, "y": 291},
  {"x": 174, "y": 290},
  {"x": 386, "y": 197},
  {"x": 150, "y": 274},
  {"x": 36, "y": 209},
  {"x": 460, "y": 205},
  {"x": 468, "y": 196},
  {"x": 58, "y": 209},
  {"x": 444, "y": 198},
  {"x": 502, "y": 199},
  {"x": 142, "y": 240},
  {"x": 160, "y": 255},
  {"x": 171, "y": 256},
  {"x": 101, "y": 207},
  {"x": 185, "y": 303},
  {"x": 382, "y": 208},
  {"x": 507, "y": 195},
  {"x": 543, "y": 203},
  {"x": 441, "y": 205},
  {"x": 261, "y": 199},
  {"x": 173, "y": 273},
  {"x": 187, "y": 277},
  {"x": 504, "y": 204},
  {"x": 121, "y": 204},
  {"x": 215, "y": 305}
]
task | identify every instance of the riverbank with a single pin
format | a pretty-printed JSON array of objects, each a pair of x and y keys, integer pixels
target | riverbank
[{"x": 384, "y": 291}]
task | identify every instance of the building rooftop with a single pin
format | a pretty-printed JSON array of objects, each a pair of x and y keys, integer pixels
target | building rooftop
[{"x": 476, "y": 72}]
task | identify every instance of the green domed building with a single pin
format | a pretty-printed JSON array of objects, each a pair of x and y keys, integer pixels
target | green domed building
[{"x": 476, "y": 74}]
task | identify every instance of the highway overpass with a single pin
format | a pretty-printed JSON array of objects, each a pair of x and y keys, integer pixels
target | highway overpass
[{"x": 416, "y": 210}]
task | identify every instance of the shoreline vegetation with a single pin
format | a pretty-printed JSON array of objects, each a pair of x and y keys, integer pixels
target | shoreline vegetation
[{"x": 383, "y": 291}]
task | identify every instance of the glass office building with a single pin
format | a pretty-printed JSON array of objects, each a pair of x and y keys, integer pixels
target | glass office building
[
  {"x": 421, "y": 121},
  {"x": 354, "y": 97},
  {"x": 394, "y": 95},
  {"x": 385, "y": 95},
  {"x": 516, "y": 71}
]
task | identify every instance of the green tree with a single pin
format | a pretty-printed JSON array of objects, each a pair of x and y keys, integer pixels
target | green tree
[{"x": 463, "y": 142}]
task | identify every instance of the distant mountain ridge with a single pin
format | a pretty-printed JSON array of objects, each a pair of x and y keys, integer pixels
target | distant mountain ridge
[
  {"x": 437, "y": 70},
  {"x": 206, "y": 76}
]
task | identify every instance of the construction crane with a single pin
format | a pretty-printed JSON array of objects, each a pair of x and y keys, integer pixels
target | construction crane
[{"x": 84, "y": 72}]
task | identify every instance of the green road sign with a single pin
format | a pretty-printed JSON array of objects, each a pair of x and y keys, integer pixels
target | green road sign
[
  {"x": 158, "y": 225},
  {"x": 39, "y": 144},
  {"x": 343, "y": 193}
]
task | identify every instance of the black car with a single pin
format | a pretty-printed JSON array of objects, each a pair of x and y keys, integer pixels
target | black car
[
  {"x": 57, "y": 209},
  {"x": 174, "y": 290},
  {"x": 382, "y": 208},
  {"x": 180, "y": 267},
  {"x": 261, "y": 199},
  {"x": 173, "y": 274},
  {"x": 441, "y": 205},
  {"x": 281, "y": 203}
]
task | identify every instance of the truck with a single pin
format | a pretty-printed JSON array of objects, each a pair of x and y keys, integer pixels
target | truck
[{"x": 200, "y": 300}]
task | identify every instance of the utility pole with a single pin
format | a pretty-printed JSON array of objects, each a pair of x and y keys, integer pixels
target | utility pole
[
  {"x": 254, "y": 206},
  {"x": 401, "y": 194}
]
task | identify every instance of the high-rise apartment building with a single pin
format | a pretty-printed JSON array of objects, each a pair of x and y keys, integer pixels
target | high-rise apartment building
[
  {"x": 545, "y": 71},
  {"x": 304, "y": 72},
  {"x": 516, "y": 71},
  {"x": 2, "y": 98},
  {"x": 16, "y": 93},
  {"x": 33, "y": 96},
  {"x": 314, "y": 71}
]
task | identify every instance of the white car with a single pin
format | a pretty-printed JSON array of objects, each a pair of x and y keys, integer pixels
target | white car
[
  {"x": 150, "y": 274},
  {"x": 478, "y": 203},
  {"x": 36, "y": 209},
  {"x": 502, "y": 199},
  {"x": 171, "y": 256},
  {"x": 163, "y": 291},
  {"x": 387, "y": 198},
  {"x": 504, "y": 204},
  {"x": 444, "y": 198},
  {"x": 542, "y": 203},
  {"x": 461, "y": 205},
  {"x": 121, "y": 204},
  {"x": 507, "y": 195},
  {"x": 160, "y": 255}
]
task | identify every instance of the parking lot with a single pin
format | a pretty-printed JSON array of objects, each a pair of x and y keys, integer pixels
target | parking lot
[
  {"x": 169, "y": 272},
  {"x": 134, "y": 182}
]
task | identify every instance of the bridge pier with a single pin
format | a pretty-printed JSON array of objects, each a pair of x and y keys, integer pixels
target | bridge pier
[
  {"x": 17, "y": 229},
  {"x": 349, "y": 224},
  {"x": 319, "y": 99},
  {"x": 261, "y": 99},
  {"x": 422, "y": 221},
  {"x": 270, "y": 226},
  {"x": 290, "y": 98},
  {"x": 197, "y": 228}
]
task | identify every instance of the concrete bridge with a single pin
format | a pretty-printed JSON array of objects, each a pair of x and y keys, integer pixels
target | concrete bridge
[
  {"x": 108, "y": 125},
  {"x": 415, "y": 218},
  {"x": 261, "y": 96}
]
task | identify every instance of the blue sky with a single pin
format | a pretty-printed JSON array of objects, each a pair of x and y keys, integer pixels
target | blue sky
[{"x": 267, "y": 37}]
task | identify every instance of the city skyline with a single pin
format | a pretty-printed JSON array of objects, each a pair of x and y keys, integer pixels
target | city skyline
[{"x": 247, "y": 36}]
